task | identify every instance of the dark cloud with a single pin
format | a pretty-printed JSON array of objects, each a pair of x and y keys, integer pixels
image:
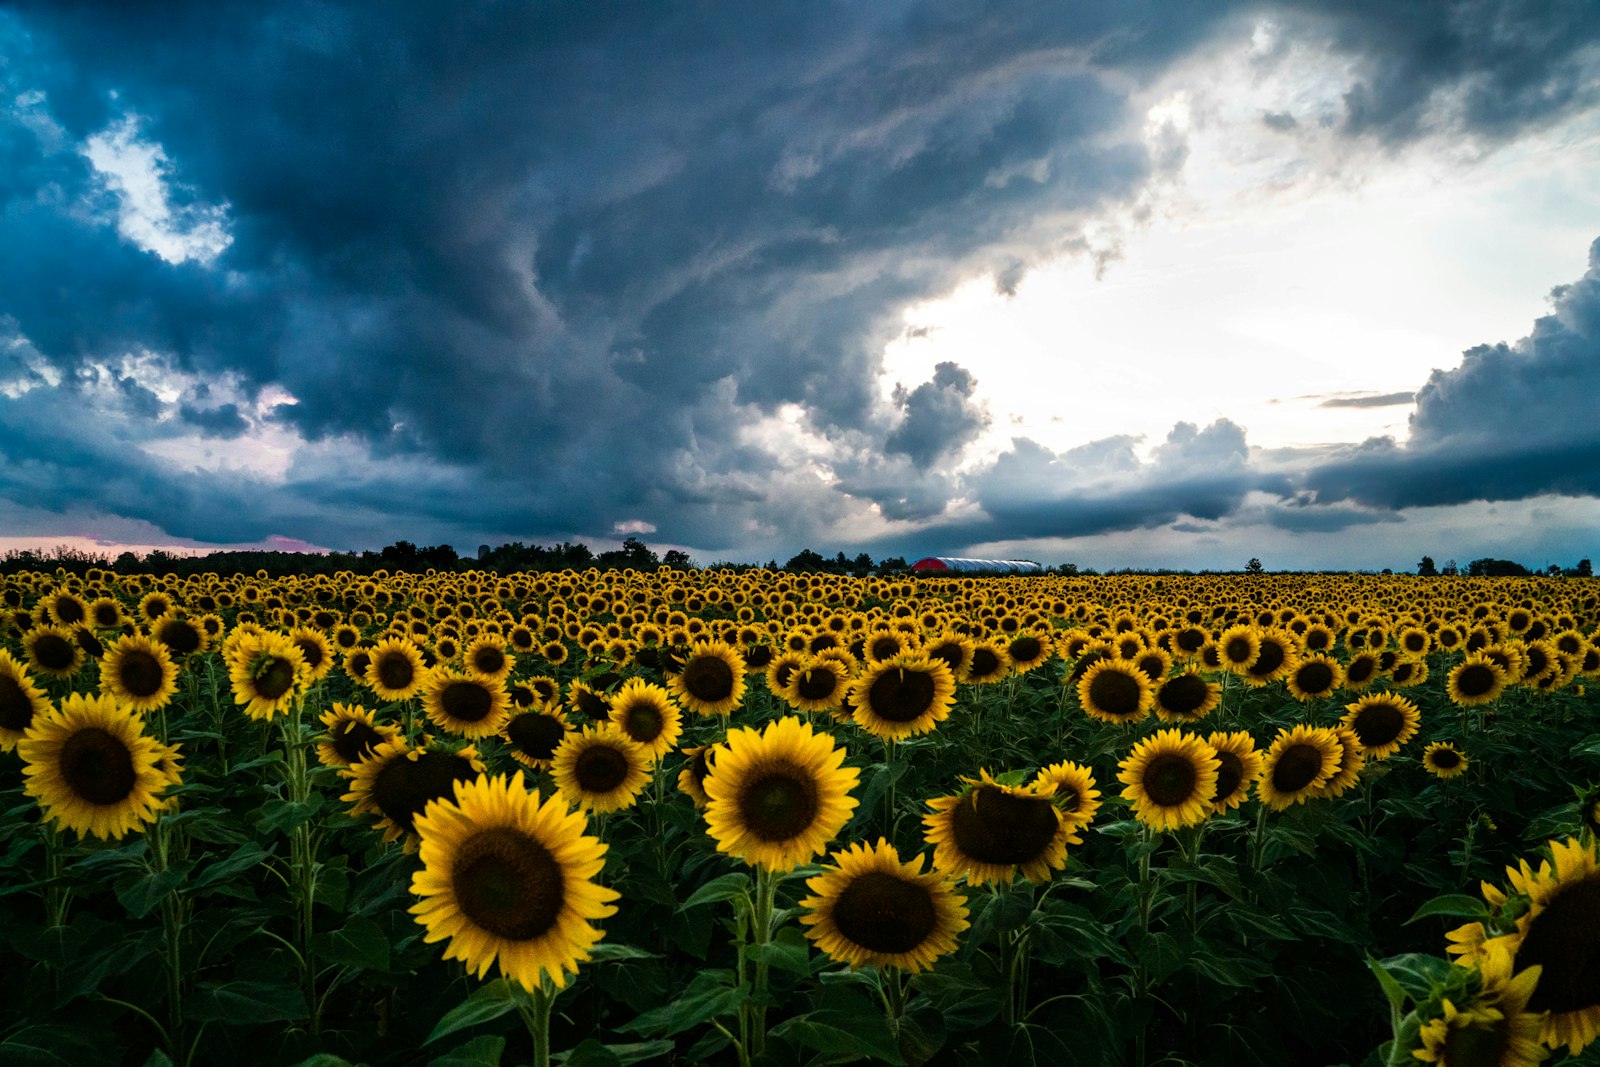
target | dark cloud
[
  {"x": 1375, "y": 400},
  {"x": 544, "y": 269}
]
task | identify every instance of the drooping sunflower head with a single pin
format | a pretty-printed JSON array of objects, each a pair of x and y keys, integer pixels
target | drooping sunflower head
[
  {"x": 712, "y": 679},
  {"x": 268, "y": 673},
  {"x": 1075, "y": 795},
  {"x": 777, "y": 796},
  {"x": 1382, "y": 723},
  {"x": 353, "y": 734},
  {"x": 20, "y": 701},
  {"x": 1347, "y": 771},
  {"x": 1300, "y": 762},
  {"x": 600, "y": 769},
  {"x": 868, "y": 908},
  {"x": 509, "y": 880},
  {"x": 1116, "y": 691},
  {"x": 397, "y": 782},
  {"x": 1240, "y": 766},
  {"x": 647, "y": 714},
  {"x": 1171, "y": 780},
  {"x": 1187, "y": 697},
  {"x": 1444, "y": 760},
  {"x": 990, "y": 832},
  {"x": 1560, "y": 934},
  {"x": 1492, "y": 1024},
  {"x": 91, "y": 767},
  {"x": 696, "y": 769},
  {"x": 903, "y": 697},
  {"x": 139, "y": 672}
]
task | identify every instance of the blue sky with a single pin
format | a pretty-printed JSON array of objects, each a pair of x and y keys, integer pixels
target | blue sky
[{"x": 1163, "y": 284}]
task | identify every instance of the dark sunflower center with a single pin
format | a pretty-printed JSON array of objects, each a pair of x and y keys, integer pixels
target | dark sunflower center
[
  {"x": 54, "y": 652},
  {"x": 643, "y": 721},
  {"x": 183, "y": 638},
  {"x": 993, "y": 826},
  {"x": 1475, "y": 680},
  {"x": 1475, "y": 1045},
  {"x": 818, "y": 683},
  {"x": 782, "y": 675},
  {"x": 882, "y": 913},
  {"x": 68, "y": 611},
  {"x": 311, "y": 652},
  {"x": 403, "y": 787},
  {"x": 984, "y": 663},
  {"x": 1415, "y": 642},
  {"x": 1314, "y": 677},
  {"x": 16, "y": 710},
  {"x": 1297, "y": 767},
  {"x": 1067, "y": 797},
  {"x": 950, "y": 653},
  {"x": 600, "y": 769},
  {"x": 354, "y": 740},
  {"x": 779, "y": 804},
  {"x": 97, "y": 766},
  {"x": 1115, "y": 693},
  {"x": 758, "y": 656},
  {"x": 1446, "y": 759},
  {"x": 1377, "y": 725},
  {"x": 140, "y": 673},
  {"x": 708, "y": 678},
  {"x": 590, "y": 703},
  {"x": 508, "y": 884},
  {"x": 901, "y": 695},
  {"x": 884, "y": 647},
  {"x": 1360, "y": 669},
  {"x": 105, "y": 616},
  {"x": 1237, "y": 650},
  {"x": 1026, "y": 649},
  {"x": 1230, "y": 776},
  {"x": 536, "y": 736},
  {"x": 1170, "y": 780},
  {"x": 488, "y": 660},
  {"x": 466, "y": 701},
  {"x": 1565, "y": 939},
  {"x": 1184, "y": 695},
  {"x": 1269, "y": 659},
  {"x": 1190, "y": 639},
  {"x": 395, "y": 671}
]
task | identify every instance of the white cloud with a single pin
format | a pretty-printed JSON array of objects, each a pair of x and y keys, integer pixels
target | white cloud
[{"x": 138, "y": 171}]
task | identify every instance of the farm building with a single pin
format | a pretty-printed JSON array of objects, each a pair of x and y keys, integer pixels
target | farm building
[{"x": 955, "y": 564}]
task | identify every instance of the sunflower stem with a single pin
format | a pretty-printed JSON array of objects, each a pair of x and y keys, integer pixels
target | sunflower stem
[
  {"x": 172, "y": 916},
  {"x": 890, "y": 752},
  {"x": 302, "y": 856},
  {"x": 535, "y": 1008},
  {"x": 55, "y": 894},
  {"x": 761, "y": 936}
]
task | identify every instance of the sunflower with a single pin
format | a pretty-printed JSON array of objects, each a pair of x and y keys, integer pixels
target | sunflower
[
  {"x": 180, "y": 634},
  {"x": 989, "y": 832},
  {"x": 510, "y": 881},
  {"x": 1171, "y": 780},
  {"x": 1408, "y": 673},
  {"x": 903, "y": 697},
  {"x": 1348, "y": 770},
  {"x": 1241, "y": 766},
  {"x": 139, "y": 672},
  {"x": 1383, "y": 723},
  {"x": 467, "y": 705},
  {"x": 1300, "y": 761},
  {"x": 1187, "y": 697},
  {"x": 1444, "y": 760},
  {"x": 554, "y": 652},
  {"x": 534, "y": 735},
  {"x": 1027, "y": 651},
  {"x": 1275, "y": 657},
  {"x": 1314, "y": 677},
  {"x": 20, "y": 701},
  {"x": 712, "y": 679},
  {"x": 106, "y": 614},
  {"x": 1361, "y": 671},
  {"x": 394, "y": 669},
  {"x": 1560, "y": 933},
  {"x": 1238, "y": 648},
  {"x": 646, "y": 713},
  {"x": 990, "y": 662},
  {"x": 1476, "y": 680},
  {"x": 869, "y": 908},
  {"x": 600, "y": 769},
  {"x": 782, "y": 668},
  {"x": 487, "y": 657},
  {"x": 692, "y": 779},
  {"x": 91, "y": 767},
  {"x": 818, "y": 685},
  {"x": 778, "y": 796},
  {"x": 1116, "y": 691},
  {"x": 316, "y": 651},
  {"x": 949, "y": 646},
  {"x": 352, "y": 735},
  {"x": 1075, "y": 794},
  {"x": 396, "y": 783},
  {"x": 66, "y": 609},
  {"x": 1497, "y": 1027},
  {"x": 52, "y": 650},
  {"x": 268, "y": 673}
]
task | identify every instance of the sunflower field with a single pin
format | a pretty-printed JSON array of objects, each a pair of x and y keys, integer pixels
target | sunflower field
[{"x": 684, "y": 817}]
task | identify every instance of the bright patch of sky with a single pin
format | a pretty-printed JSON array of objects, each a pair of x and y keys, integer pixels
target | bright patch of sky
[
  {"x": 138, "y": 171},
  {"x": 1283, "y": 269}
]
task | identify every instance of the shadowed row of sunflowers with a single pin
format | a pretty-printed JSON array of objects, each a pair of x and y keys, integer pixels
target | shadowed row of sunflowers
[{"x": 804, "y": 719}]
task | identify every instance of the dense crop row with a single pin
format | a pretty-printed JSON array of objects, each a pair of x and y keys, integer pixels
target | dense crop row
[{"x": 700, "y": 816}]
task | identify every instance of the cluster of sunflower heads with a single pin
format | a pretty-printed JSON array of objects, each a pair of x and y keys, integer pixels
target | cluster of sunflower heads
[{"x": 1461, "y": 1016}]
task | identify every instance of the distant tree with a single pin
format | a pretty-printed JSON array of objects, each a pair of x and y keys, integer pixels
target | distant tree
[
  {"x": 677, "y": 559},
  {"x": 892, "y": 565},
  {"x": 1496, "y": 568},
  {"x": 806, "y": 561},
  {"x": 861, "y": 565},
  {"x": 1070, "y": 569},
  {"x": 1253, "y": 567},
  {"x": 633, "y": 553},
  {"x": 1584, "y": 569},
  {"x": 1450, "y": 568},
  {"x": 1426, "y": 569}
]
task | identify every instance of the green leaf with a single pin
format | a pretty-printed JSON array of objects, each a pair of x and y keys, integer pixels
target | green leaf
[
  {"x": 489, "y": 1001},
  {"x": 324, "y": 1059},
  {"x": 590, "y": 1054},
  {"x": 823, "y": 1034},
  {"x": 1418, "y": 974},
  {"x": 50, "y": 1045},
  {"x": 158, "y": 1059},
  {"x": 611, "y": 951},
  {"x": 244, "y": 858},
  {"x": 482, "y": 1051},
  {"x": 143, "y": 893},
  {"x": 712, "y": 993},
  {"x": 358, "y": 943},
  {"x": 246, "y": 1002},
  {"x": 1391, "y": 989},
  {"x": 790, "y": 952},
  {"x": 282, "y": 816},
  {"x": 718, "y": 889},
  {"x": 1458, "y": 905}
]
